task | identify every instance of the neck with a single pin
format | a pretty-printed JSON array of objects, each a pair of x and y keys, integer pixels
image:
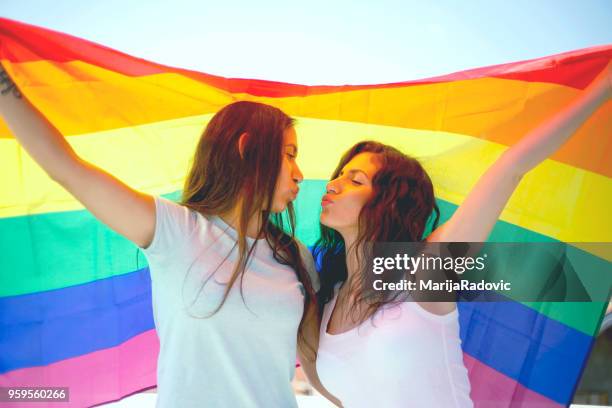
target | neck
[
  {"x": 352, "y": 287},
  {"x": 352, "y": 267}
]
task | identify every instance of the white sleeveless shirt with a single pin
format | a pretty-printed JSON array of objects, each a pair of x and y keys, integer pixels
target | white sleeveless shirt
[{"x": 403, "y": 356}]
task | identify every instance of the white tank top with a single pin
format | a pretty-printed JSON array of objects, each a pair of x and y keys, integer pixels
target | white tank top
[{"x": 404, "y": 356}]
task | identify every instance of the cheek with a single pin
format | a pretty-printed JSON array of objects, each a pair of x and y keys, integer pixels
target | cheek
[
  {"x": 345, "y": 211},
  {"x": 282, "y": 193},
  {"x": 357, "y": 199},
  {"x": 284, "y": 178}
]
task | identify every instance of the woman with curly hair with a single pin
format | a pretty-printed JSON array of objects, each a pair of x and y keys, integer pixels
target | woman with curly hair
[{"x": 376, "y": 349}]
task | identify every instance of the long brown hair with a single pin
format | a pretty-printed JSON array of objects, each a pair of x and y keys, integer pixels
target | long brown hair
[
  {"x": 400, "y": 209},
  {"x": 221, "y": 179}
]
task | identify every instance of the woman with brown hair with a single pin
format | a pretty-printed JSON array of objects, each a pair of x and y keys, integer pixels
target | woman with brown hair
[
  {"x": 230, "y": 283},
  {"x": 377, "y": 349}
]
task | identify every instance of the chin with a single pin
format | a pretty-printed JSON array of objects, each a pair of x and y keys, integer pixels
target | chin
[
  {"x": 334, "y": 223},
  {"x": 277, "y": 208},
  {"x": 324, "y": 220}
]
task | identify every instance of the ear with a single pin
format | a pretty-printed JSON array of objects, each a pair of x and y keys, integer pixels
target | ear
[{"x": 241, "y": 143}]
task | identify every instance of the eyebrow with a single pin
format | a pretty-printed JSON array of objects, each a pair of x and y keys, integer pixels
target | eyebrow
[{"x": 353, "y": 171}]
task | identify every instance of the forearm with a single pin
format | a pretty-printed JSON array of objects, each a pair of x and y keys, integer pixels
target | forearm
[
  {"x": 547, "y": 138},
  {"x": 37, "y": 136}
]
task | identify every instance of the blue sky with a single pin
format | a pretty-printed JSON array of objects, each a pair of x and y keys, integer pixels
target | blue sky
[{"x": 328, "y": 42}]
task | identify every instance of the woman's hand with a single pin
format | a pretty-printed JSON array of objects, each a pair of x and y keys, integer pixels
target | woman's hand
[
  {"x": 7, "y": 84},
  {"x": 476, "y": 216}
]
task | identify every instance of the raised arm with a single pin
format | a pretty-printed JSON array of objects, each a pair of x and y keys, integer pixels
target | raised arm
[
  {"x": 126, "y": 211},
  {"x": 476, "y": 216}
]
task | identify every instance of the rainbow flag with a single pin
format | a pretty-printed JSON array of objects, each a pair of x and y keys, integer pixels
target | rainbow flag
[{"x": 75, "y": 306}]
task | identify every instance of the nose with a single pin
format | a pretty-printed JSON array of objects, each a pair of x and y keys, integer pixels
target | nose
[
  {"x": 331, "y": 187},
  {"x": 297, "y": 174}
]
